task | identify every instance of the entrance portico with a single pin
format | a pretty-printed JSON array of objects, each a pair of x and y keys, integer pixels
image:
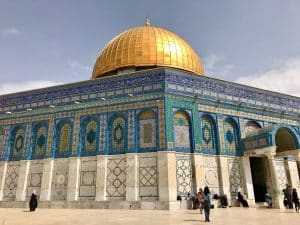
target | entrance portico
[{"x": 271, "y": 161}]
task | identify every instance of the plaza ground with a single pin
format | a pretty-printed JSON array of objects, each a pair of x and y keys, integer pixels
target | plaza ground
[{"x": 232, "y": 216}]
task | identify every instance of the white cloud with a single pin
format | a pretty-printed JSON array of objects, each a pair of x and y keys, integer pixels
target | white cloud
[
  {"x": 75, "y": 65},
  {"x": 6, "y": 88},
  {"x": 216, "y": 66},
  {"x": 284, "y": 77},
  {"x": 11, "y": 31}
]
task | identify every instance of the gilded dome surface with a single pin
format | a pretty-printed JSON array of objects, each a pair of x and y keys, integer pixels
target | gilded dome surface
[{"x": 147, "y": 46}]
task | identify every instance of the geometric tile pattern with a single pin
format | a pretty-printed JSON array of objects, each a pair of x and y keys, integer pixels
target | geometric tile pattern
[
  {"x": 131, "y": 129},
  {"x": 235, "y": 178},
  {"x": 2, "y": 149},
  {"x": 4, "y": 143},
  {"x": 148, "y": 177},
  {"x": 18, "y": 144},
  {"x": 91, "y": 137},
  {"x": 103, "y": 128},
  {"x": 116, "y": 178},
  {"x": 88, "y": 178},
  {"x": 65, "y": 139},
  {"x": 211, "y": 175},
  {"x": 11, "y": 181},
  {"x": 35, "y": 178},
  {"x": 40, "y": 142},
  {"x": 184, "y": 176},
  {"x": 281, "y": 174},
  {"x": 60, "y": 179}
]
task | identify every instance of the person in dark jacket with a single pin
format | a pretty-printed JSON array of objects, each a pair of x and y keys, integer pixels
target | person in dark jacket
[
  {"x": 33, "y": 203},
  {"x": 242, "y": 200},
  {"x": 296, "y": 199},
  {"x": 207, "y": 201}
]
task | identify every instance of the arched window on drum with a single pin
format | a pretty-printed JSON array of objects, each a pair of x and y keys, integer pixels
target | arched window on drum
[
  {"x": 147, "y": 130},
  {"x": 118, "y": 143},
  {"x": 17, "y": 143},
  {"x": 208, "y": 135},
  {"x": 39, "y": 141},
  {"x": 231, "y": 137},
  {"x": 64, "y": 141},
  {"x": 182, "y": 136},
  {"x": 90, "y": 137}
]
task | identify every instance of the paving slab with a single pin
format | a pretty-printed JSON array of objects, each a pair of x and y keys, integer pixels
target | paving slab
[{"x": 229, "y": 216}]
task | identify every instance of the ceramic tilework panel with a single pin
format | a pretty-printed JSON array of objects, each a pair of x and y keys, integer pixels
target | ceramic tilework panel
[
  {"x": 103, "y": 128},
  {"x": 60, "y": 179},
  {"x": 211, "y": 174},
  {"x": 75, "y": 134},
  {"x": 147, "y": 130},
  {"x": 88, "y": 179},
  {"x": 90, "y": 137},
  {"x": 118, "y": 136},
  {"x": 221, "y": 131},
  {"x": 230, "y": 136},
  {"x": 182, "y": 131},
  {"x": 281, "y": 174},
  {"x": 40, "y": 142},
  {"x": 11, "y": 181},
  {"x": 235, "y": 179},
  {"x": 3, "y": 150},
  {"x": 208, "y": 137},
  {"x": 184, "y": 175},
  {"x": 35, "y": 178},
  {"x": 18, "y": 144},
  {"x": 116, "y": 178},
  {"x": 50, "y": 136},
  {"x": 161, "y": 118},
  {"x": 65, "y": 139},
  {"x": 250, "y": 126},
  {"x": 131, "y": 124},
  {"x": 27, "y": 139},
  {"x": 148, "y": 177}
]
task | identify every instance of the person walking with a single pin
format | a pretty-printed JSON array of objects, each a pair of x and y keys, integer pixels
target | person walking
[
  {"x": 33, "y": 203},
  {"x": 296, "y": 200},
  {"x": 201, "y": 200},
  {"x": 207, "y": 199}
]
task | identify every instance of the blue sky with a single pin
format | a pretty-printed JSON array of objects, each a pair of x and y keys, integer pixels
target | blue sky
[{"x": 254, "y": 42}]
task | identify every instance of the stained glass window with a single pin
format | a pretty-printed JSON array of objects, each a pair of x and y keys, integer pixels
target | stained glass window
[
  {"x": 147, "y": 129},
  {"x": 182, "y": 130}
]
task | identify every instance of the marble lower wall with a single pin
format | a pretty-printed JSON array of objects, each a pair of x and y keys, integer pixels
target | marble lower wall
[{"x": 123, "y": 180}]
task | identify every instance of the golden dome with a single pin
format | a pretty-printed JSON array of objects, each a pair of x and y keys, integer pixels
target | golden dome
[{"x": 147, "y": 46}]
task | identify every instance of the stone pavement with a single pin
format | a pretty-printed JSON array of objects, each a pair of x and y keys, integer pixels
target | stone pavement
[{"x": 229, "y": 216}]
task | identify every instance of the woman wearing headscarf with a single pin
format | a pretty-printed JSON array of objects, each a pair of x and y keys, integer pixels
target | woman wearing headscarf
[{"x": 33, "y": 201}]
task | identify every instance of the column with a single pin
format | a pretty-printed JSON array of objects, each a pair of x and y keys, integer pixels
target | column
[
  {"x": 45, "y": 194},
  {"x": 101, "y": 178},
  {"x": 22, "y": 181},
  {"x": 248, "y": 184},
  {"x": 167, "y": 176},
  {"x": 3, "y": 168},
  {"x": 277, "y": 197},
  {"x": 131, "y": 177},
  {"x": 199, "y": 171},
  {"x": 73, "y": 179}
]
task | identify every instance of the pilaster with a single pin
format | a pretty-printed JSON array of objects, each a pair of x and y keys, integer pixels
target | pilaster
[
  {"x": 131, "y": 177},
  {"x": 45, "y": 194},
  {"x": 248, "y": 184},
  {"x": 199, "y": 171},
  {"x": 101, "y": 178},
  {"x": 167, "y": 176},
  {"x": 23, "y": 180},
  {"x": 3, "y": 168},
  {"x": 73, "y": 179},
  {"x": 225, "y": 183}
]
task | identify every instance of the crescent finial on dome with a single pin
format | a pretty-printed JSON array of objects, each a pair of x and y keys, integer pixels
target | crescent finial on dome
[{"x": 147, "y": 21}]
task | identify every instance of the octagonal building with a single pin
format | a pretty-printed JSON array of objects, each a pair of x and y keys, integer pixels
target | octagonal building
[{"x": 148, "y": 126}]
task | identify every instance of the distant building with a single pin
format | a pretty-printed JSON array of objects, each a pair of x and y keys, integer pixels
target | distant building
[{"x": 147, "y": 127}]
